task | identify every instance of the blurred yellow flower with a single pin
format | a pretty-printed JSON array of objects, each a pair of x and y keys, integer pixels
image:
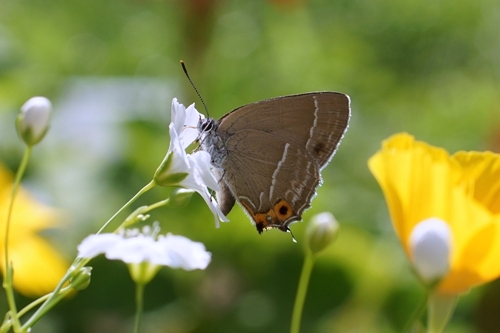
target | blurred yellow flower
[
  {"x": 422, "y": 182},
  {"x": 37, "y": 266}
]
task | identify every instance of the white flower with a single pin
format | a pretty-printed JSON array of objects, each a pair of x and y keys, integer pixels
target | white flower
[
  {"x": 191, "y": 171},
  {"x": 185, "y": 122},
  {"x": 430, "y": 247},
  {"x": 34, "y": 120},
  {"x": 134, "y": 247}
]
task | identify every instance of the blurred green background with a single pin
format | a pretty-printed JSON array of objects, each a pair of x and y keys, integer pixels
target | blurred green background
[{"x": 111, "y": 68}]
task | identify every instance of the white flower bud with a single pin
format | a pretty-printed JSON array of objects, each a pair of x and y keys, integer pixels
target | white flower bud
[
  {"x": 430, "y": 247},
  {"x": 321, "y": 231},
  {"x": 34, "y": 120}
]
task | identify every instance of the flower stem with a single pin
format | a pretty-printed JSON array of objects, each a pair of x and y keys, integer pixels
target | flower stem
[
  {"x": 416, "y": 315},
  {"x": 50, "y": 301},
  {"x": 8, "y": 271},
  {"x": 139, "y": 303},
  {"x": 146, "y": 188},
  {"x": 38, "y": 301},
  {"x": 302, "y": 292},
  {"x": 78, "y": 263},
  {"x": 158, "y": 204},
  {"x": 441, "y": 307}
]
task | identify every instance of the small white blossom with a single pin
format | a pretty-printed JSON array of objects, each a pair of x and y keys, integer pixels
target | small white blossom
[
  {"x": 134, "y": 247},
  {"x": 34, "y": 120},
  {"x": 191, "y": 171},
  {"x": 185, "y": 122},
  {"x": 430, "y": 247}
]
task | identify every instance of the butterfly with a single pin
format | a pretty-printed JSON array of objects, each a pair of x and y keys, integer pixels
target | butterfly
[{"x": 268, "y": 155}]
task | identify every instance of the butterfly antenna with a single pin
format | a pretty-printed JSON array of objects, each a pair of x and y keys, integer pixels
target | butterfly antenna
[{"x": 194, "y": 87}]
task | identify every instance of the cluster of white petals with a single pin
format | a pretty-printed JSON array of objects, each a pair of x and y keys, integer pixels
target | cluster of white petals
[
  {"x": 195, "y": 166},
  {"x": 134, "y": 247}
]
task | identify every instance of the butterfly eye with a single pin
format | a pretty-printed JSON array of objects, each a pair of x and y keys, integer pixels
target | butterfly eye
[{"x": 206, "y": 125}]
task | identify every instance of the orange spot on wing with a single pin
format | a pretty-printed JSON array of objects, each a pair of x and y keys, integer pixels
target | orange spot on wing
[
  {"x": 283, "y": 210},
  {"x": 275, "y": 217}
]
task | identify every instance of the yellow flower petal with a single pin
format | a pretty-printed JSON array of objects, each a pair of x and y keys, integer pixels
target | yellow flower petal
[
  {"x": 37, "y": 266},
  {"x": 420, "y": 182},
  {"x": 484, "y": 170},
  {"x": 475, "y": 263}
]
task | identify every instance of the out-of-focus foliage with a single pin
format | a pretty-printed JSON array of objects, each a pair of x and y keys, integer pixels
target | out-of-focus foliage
[{"x": 111, "y": 69}]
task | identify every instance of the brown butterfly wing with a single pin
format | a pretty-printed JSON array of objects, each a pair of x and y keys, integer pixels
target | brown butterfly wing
[
  {"x": 274, "y": 193},
  {"x": 316, "y": 121},
  {"x": 275, "y": 151}
]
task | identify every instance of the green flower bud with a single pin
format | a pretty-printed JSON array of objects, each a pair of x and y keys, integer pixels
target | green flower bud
[
  {"x": 81, "y": 279},
  {"x": 321, "y": 232},
  {"x": 34, "y": 120}
]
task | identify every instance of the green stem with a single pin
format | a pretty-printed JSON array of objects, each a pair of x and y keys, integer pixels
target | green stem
[
  {"x": 146, "y": 188},
  {"x": 50, "y": 299},
  {"x": 417, "y": 314},
  {"x": 302, "y": 292},
  {"x": 78, "y": 263},
  {"x": 138, "y": 214},
  {"x": 38, "y": 301},
  {"x": 7, "y": 323},
  {"x": 8, "y": 271},
  {"x": 158, "y": 204},
  {"x": 139, "y": 303},
  {"x": 441, "y": 307}
]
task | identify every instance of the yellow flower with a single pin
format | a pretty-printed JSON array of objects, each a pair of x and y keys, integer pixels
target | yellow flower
[
  {"x": 37, "y": 266},
  {"x": 422, "y": 182}
]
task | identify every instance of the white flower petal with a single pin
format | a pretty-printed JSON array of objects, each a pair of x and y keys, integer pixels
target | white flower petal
[
  {"x": 135, "y": 250},
  {"x": 170, "y": 250},
  {"x": 178, "y": 115},
  {"x": 189, "y": 132},
  {"x": 180, "y": 162},
  {"x": 214, "y": 207},
  {"x": 191, "y": 182},
  {"x": 200, "y": 177},
  {"x": 184, "y": 253},
  {"x": 430, "y": 246},
  {"x": 193, "y": 117},
  {"x": 200, "y": 162},
  {"x": 185, "y": 122},
  {"x": 94, "y": 245}
]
